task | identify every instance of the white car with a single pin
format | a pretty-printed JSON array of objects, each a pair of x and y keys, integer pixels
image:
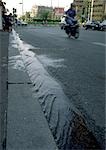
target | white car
[
  {"x": 21, "y": 23},
  {"x": 103, "y": 25},
  {"x": 24, "y": 23}
]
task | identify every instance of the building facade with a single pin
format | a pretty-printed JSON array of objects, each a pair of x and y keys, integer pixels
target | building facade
[
  {"x": 98, "y": 10},
  {"x": 36, "y": 11},
  {"x": 58, "y": 12},
  {"x": 84, "y": 8},
  {"x": 43, "y": 9},
  {"x": 55, "y": 13}
]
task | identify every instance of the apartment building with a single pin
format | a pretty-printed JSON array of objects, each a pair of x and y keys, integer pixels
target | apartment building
[
  {"x": 58, "y": 12},
  {"x": 36, "y": 11},
  {"x": 98, "y": 9},
  {"x": 84, "y": 7}
]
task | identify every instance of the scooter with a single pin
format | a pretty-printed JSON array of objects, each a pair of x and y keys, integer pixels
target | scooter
[{"x": 71, "y": 30}]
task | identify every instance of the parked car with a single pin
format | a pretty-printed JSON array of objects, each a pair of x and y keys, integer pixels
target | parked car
[
  {"x": 103, "y": 26},
  {"x": 94, "y": 25},
  {"x": 21, "y": 23},
  {"x": 24, "y": 23}
]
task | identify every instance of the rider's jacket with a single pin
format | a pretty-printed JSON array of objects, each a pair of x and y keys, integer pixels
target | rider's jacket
[{"x": 71, "y": 13}]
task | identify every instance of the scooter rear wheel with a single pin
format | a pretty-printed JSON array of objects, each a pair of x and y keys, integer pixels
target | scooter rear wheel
[
  {"x": 69, "y": 35},
  {"x": 77, "y": 34}
]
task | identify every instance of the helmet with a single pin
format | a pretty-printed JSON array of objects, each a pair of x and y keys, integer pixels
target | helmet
[{"x": 72, "y": 5}]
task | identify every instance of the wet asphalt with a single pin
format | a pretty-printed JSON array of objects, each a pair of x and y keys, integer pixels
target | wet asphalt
[{"x": 82, "y": 73}]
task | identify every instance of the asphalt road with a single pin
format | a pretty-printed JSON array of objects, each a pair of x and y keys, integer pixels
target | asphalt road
[{"x": 79, "y": 66}]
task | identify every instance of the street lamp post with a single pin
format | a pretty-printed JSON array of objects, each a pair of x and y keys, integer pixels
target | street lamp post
[
  {"x": 88, "y": 10},
  {"x": 22, "y": 7},
  {"x": 58, "y": 3},
  {"x": 51, "y": 3},
  {"x": 92, "y": 2}
]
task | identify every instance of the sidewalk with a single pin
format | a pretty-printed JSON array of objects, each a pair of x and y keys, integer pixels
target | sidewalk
[
  {"x": 4, "y": 38},
  {"x": 27, "y": 128}
]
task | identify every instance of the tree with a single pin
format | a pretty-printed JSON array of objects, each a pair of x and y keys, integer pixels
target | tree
[
  {"x": 86, "y": 9},
  {"x": 22, "y": 17},
  {"x": 87, "y": 5},
  {"x": 44, "y": 15},
  {"x": 27, "y": 15}
]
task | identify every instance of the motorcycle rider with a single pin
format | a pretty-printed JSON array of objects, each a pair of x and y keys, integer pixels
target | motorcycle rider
[{"x": 71, "y": 13}]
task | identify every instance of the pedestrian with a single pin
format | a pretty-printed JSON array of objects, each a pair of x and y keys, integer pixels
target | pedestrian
[{"x": 10, "y": 22}]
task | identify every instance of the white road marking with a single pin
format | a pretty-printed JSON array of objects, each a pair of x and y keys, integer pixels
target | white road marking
[
  {"x": 100, "y": 44},
  {"x": 52, "y": 33},
  {"x": 47, "y": 61}
]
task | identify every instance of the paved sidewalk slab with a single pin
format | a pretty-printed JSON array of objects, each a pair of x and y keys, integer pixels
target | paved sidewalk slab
[{"x": 4, "y": 39}]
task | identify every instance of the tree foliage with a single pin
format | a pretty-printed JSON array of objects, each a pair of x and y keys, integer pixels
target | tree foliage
[
  {"x": 22, "y": 17},
  {"x": 86, "y": 9},
  {"x": 45, "y": 15},
  {"x": 27, "y": 15}
]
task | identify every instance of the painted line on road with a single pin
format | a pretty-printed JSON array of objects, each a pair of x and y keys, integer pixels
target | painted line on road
[
  {"x": 52, "y": 33},
  {"x": 100, "y": 44}
]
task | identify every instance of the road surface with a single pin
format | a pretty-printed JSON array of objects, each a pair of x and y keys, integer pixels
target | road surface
[{"x": 77, "y": 65}]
